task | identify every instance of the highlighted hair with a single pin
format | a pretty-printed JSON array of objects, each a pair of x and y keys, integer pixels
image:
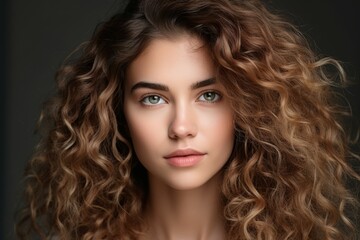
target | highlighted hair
[{"x": 286, "y": 177}]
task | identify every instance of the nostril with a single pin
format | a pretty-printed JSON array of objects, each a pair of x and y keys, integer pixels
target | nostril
[{"x": 182, "y": 127}]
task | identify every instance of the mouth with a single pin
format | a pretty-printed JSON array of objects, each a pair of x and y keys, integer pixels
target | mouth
[{"x": 184, "y": 157}]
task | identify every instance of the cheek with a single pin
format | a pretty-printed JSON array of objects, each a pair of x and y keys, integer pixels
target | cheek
[
  {"x": 139, "y": 130},
  {"x": 145, "y": 130},
  {"x": 224, "y": 135},
  {"x": 219, "y": 124}
]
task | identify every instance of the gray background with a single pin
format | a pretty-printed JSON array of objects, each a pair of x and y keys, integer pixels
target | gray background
[{"x": 37, "y": 35}]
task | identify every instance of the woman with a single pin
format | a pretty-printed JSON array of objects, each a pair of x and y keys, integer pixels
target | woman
[{"x": 191, "y": 120}]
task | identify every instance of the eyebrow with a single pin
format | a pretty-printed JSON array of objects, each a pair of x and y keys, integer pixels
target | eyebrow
[
  {"x": 203, "y": 83},
  {"x": 162, "y": 87},
  {"x": 155, "y": 86}
]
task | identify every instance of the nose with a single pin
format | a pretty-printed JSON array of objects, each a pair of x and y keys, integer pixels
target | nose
[{"x": 183, "y": 123}]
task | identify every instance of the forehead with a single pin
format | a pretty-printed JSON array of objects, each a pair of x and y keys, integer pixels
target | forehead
[{"x": 183, "y": 57}]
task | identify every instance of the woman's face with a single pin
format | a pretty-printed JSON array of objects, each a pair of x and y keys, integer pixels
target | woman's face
[{"x": 180, "y": 122}]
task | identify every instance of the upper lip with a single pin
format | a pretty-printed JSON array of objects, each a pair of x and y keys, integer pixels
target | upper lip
[{"x": 183, "y": 153}]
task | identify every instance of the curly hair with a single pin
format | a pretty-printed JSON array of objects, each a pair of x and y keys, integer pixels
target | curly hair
[{"x": 286, "y": 177}]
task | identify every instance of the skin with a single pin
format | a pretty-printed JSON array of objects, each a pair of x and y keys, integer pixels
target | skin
[{"x": 172, "y": 102}]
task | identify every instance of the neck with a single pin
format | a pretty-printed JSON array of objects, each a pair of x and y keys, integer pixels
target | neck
[{"x": 194, "y": 214}]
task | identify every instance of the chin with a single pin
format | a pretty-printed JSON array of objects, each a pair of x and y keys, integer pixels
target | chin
[
  {"x": 185, "y": 186},
  {"x": 191, "y": 182}
]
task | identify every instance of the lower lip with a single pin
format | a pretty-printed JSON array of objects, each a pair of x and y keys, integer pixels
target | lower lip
[{"x": 186, "y": 161}]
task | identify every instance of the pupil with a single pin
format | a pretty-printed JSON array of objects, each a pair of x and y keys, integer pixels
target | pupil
[
  {"x": 209, "y": 96},
  {"x": 154, "y": 99}
]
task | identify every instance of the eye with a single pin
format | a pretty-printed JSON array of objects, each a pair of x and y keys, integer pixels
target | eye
[
  {"x": 210, "y": 97},
  {"x": 152, "y": 100}
]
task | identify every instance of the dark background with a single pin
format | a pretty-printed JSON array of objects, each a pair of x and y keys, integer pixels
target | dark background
[{"x": 36, "y": 36}]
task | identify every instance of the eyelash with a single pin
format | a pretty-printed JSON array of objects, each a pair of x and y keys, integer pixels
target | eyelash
[
  {"x": 142, "y": 100},
  {"x": 145, "y": 99},
  {"x": 218, "y": 96}
]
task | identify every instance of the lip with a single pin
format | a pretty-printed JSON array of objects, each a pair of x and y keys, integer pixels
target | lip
[{"x": 184, "y": 157}]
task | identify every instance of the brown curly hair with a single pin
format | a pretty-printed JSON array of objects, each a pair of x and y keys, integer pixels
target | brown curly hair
[{"x": 286, "y": 177}]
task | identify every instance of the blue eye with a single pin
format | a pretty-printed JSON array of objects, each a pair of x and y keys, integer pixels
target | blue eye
[
  {"x": 210, "y": 97},
  {"x": 152, "y": 100}
]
